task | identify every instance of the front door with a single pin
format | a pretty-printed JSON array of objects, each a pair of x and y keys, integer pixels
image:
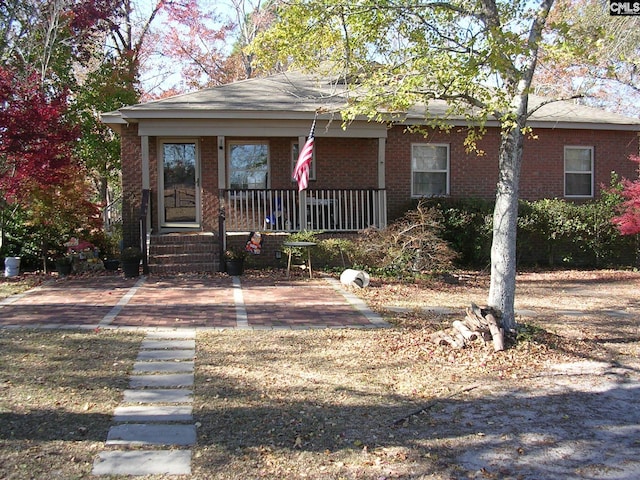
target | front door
[{"x": 180, "y": 182}]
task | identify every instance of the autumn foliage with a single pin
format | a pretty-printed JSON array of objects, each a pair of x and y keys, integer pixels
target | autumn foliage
[
  {"x": 35, "y": 136},
  {"x": 628, "y": 222}
]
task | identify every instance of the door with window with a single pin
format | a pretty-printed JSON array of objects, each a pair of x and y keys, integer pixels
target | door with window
[{"x": 180, "y": 184}]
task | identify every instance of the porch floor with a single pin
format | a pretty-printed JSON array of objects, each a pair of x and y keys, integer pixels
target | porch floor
[{"x": 206, "y": 302}]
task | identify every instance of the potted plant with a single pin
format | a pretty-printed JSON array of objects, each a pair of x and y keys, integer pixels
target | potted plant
[
  {"x": 130, "y": 260},
  {"x": 234, "y": 260}
]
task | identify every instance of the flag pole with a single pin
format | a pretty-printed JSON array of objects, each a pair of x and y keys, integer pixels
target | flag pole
[{"x": 301, "y": 171}]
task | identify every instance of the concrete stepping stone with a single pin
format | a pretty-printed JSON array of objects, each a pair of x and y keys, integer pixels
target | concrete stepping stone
[
  {"x": 143, "y": 462},
  {"x": 163, "y": 367},
  {"x": 153, "y": 413},
  {"x": 168, "y": 345},
  {"x": 164, "y": 334},
  {"x": 151, "y": 434},
  {"x": 162, "y": 381},
  {"x": 158, "y": 396},
  {"x": 166, "y": 355}
]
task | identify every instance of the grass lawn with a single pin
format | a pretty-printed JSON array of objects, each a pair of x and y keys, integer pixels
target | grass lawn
[{"x": 22, "y": 283}]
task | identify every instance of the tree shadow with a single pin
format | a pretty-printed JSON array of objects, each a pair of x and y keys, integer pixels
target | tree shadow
[{"x": 514, "y": 433}]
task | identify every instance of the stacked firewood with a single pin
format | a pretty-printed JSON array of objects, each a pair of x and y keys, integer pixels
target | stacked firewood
[{"x": 479, "y": 324}]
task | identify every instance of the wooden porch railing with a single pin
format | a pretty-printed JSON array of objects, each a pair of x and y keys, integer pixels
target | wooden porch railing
[{"x": 291, "y": 211}]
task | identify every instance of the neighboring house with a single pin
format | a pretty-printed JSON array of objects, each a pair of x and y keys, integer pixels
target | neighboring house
[{"x": 220, "y": 161}]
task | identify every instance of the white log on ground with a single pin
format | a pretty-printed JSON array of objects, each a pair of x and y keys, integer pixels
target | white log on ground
[
  {"x": 496, "y": 332},
  {"x": 465, "y": 331}
]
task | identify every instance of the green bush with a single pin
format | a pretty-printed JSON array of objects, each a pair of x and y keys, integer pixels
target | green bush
[
  {"x": 466, "y": 226},
  {"x": 551, "y": 232},
  {"x": 328, "y": 252}
]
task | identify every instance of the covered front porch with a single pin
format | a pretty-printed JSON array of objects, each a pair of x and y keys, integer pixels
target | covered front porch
[{"x": 287, "y": 210}]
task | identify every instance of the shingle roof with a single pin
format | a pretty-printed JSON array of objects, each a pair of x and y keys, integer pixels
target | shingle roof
[{"x": 293, "y": 95}]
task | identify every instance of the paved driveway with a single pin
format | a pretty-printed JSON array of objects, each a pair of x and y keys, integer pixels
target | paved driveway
[{"x": 188, "y": 301}]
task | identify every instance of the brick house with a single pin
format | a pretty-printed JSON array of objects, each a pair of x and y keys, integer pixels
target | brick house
[{"x": 219, "y": 161}]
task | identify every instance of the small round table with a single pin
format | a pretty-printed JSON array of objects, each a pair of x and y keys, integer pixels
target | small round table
[{"x": 302, "y": 245}]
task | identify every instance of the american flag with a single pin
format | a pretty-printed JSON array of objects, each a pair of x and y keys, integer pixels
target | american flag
[{"x": 301, "y": 172}]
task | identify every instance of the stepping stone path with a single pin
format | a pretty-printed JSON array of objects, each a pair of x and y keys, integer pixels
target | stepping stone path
[{"x": 153, "y": 427}]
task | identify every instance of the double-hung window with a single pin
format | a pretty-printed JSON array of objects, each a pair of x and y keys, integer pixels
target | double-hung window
[
  {"x": 248, "y": 165},
  {"x": 578, "y": 171},
  {"x": 429, "y": 170}
]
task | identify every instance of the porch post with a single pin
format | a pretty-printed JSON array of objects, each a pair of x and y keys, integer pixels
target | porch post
[
  {"x": 382, "y": 196},
  {"x": 146, "y": 182},
  {"x": 222, "y": 167},
  {"x": 222, "y": 183},
  {"x": 146, "y": 174}
]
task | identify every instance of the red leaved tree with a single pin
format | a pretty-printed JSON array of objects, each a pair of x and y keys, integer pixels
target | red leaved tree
[
  {"x": 628, "y": 222},
  {"x": 36, "y": 138}
]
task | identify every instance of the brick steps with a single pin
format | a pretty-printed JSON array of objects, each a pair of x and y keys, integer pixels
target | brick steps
[{"x": 184, "y": 253}]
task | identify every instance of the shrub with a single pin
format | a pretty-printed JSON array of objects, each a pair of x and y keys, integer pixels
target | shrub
[
  {"x": 409, "y": 245},
  {"x": 466, "y": 226}
]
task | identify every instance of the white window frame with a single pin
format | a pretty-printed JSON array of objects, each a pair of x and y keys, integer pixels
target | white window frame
[
  {"x": 447, "y": 170},
  {"x": 295, "y": 152},
  {"x": 232, "y": 143},
  {"x": 590, "y": 172}
]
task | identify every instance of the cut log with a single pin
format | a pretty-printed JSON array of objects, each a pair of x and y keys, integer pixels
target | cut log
[
  {"x": 439, "y": 338},
  {"x": 496, "y": 332},
  {"x": 444, "y": 337},
  {"x": 475, "y": 324},
  {"x": 464, "y": 331}
]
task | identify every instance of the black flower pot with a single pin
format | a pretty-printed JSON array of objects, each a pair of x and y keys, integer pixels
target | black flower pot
[
  {"x": 111, "y": 265},
  {"x": 235, "y": 267},
  {"x": 131, "y": 268},
  {"x": 64, "y": 268}
]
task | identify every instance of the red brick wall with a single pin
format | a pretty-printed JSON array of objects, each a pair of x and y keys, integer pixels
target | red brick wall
[
  {"x": 352, "y": 163},
  {"x": 209, "y": 182},
  {"x": 338, "y": 162},
  {"x": 346, "y": 163},
  {"x": 474, "y": 176},
  {"x": 131, "y": 184}
]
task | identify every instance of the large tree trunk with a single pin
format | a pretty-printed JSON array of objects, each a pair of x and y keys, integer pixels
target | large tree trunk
[{"x": 505, "y": 219}]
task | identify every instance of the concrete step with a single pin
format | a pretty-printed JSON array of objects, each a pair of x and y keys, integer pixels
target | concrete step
[
  {"x": 158, "y": 395},
  {"x": 152, "y": 434},
  {"x": 154, "y": 413},
  {"x": 184, "y": 267},
  {"x": 183, "y": 258}
]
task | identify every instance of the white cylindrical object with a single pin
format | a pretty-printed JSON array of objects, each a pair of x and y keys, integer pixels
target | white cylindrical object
[
  {"x": 355, "y": 278},
  {"x": 11, "y": 266}
]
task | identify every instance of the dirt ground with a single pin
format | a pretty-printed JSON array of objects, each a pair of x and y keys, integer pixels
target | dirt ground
[
  {"x": 370, "y": 404},
  {"x": 561, "y": 404},
  {"x": 570, "y": 411}
]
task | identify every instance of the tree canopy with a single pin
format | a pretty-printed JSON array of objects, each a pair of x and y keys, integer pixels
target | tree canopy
[{"x": 479, "y": 56}]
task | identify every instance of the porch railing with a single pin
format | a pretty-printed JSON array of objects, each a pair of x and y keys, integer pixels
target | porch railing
[{"x": 317, "y": 210}]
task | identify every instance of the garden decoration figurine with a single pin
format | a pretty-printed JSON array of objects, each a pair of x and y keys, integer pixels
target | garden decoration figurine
[
  {"x": 254, "y": 244},
  {"x": 83, "y": 256}
]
